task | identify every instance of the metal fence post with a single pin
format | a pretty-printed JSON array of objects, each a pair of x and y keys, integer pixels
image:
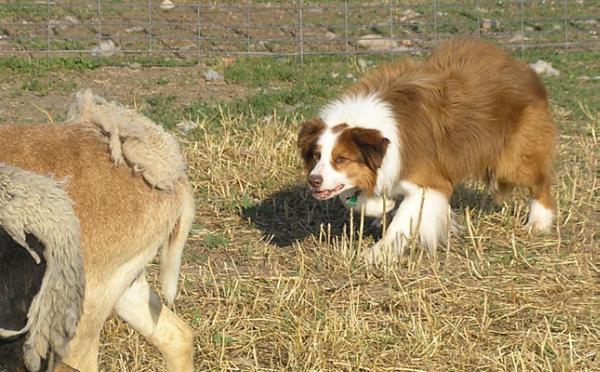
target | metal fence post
[
  {"x": 522, "y": 28},
  {"x": 391, "y": 27},
  {"x": 346, "y": 29},
  {"x": 435, "y": 35},
  {"x": 47, "y": 29},
  {"x": 198, "y": 28},
  {"x": 301, "y": 32},
  {"x": 566, "y": 22},
  {"x": 478, "y": 26},
  {"x": 248, "y": 28},
  {"x": 149, "y": 28}
]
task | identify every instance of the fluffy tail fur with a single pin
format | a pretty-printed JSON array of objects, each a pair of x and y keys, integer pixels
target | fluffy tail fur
[{"x": 170, "y": 259}]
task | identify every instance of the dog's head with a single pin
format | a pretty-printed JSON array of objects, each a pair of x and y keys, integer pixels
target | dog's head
[{"x": 341, "y": 157}]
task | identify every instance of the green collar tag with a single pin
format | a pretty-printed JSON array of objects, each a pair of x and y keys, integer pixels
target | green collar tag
[{"x": 352, "y": 200}]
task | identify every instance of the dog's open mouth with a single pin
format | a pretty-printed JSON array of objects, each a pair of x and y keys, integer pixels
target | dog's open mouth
[{"x": 327, "y": 194}]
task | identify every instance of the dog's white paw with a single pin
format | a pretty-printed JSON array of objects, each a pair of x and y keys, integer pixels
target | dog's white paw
[{"x": 540, "y": 218}]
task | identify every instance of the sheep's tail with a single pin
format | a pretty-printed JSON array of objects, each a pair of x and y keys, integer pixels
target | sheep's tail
[{"x": 170, "y": 259}]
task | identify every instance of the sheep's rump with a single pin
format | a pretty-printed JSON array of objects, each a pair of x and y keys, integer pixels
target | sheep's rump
[
  {"x": 133, "y": 138},
  {"x": 41, "y": 267}
]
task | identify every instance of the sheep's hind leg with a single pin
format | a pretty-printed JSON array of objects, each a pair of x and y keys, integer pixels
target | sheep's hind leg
[{"x": 141, "y": 307}]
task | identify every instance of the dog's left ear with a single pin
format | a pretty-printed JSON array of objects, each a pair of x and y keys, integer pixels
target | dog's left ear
[{"x": 372, "y": 145}]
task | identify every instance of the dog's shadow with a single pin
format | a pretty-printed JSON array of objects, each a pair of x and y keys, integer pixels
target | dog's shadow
[{"x": 292, "y": 214}]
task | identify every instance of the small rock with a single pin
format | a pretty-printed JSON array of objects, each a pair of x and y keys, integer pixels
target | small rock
[
  {"x": 407, "y": 43},
  {"x": 489, "y": 24},
  {"x": 72, "y": 20},
  {"x": 362, "y": 63},
  {"x": 591, "y": 22},
  {"x": 212, "y": 75},
  {"x": 542, "y": 67},
  {"x": 529, "y": 29},
  {"x": 330, "y": 35},
  {"x": 349, "y": 76},
  {"x": 376, "y": 42},
  {"x": 557, "y": 27},
  {"x": 334, "y": 75},
  {"x": 186, "y": 126},
  {"x": 517, "y": 38},
  {"x": 54, "y": 24},
  {"x": 267, "y": 119},
  {"x": 106, "y": 48},
  {"x": 408, "y": 15},
  {"x": 135, "y": 29},
  {"x": 135, "y": 66},
  {"x": 167, "y": 4}
]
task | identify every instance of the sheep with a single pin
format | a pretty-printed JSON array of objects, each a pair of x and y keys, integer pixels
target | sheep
[
  {"x": 41, "y": 270},
  {"x": 126, "y": 176}
]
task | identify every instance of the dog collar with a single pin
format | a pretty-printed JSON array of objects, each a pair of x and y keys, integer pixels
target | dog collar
[{"x": 351, "y": 201}]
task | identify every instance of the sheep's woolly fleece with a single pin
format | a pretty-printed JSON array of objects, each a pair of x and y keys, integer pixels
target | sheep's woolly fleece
[
  {"x": 133, "y": 139},
  {"x": 32, "y": 204}
]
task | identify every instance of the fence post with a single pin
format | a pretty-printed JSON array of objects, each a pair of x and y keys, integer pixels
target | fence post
[
  {"x": 198, "y": 29},
  {"x": 391, "y": 5},
  {"x": 346, "y": 29},
  {"x": 566, "y": 22},
  {"x": 301, "y": 32},
  {"x": 522, "y": 28},
  {"x": 149, "y": 28},
  {"x": 478, "y": 27},
  {"x": 248, "y": 28},
  {"x": 435, "y": 35},
  {"x": 99, "y": 22},
  {"x": 47, "y": 29}
]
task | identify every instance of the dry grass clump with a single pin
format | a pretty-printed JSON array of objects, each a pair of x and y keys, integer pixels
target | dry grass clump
[{"x": 271, "y": 279}]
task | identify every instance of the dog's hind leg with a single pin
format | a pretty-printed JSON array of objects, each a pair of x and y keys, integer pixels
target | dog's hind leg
[
  {"x": 141, "y": 307},
  {"x": 527, "y": 162}
]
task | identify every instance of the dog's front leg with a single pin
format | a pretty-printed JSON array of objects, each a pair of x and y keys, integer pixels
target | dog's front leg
[{"x": 423, "y": 210}]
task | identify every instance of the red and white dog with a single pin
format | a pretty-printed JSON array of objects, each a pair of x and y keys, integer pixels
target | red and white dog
[{"x": 470, "y": 111}]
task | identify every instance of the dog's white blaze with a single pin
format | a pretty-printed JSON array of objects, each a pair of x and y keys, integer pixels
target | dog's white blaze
[
  {"x": 540, "y": 217},
  {"x": 370, "y": 112},
  {"x": 323, "y": 168}
]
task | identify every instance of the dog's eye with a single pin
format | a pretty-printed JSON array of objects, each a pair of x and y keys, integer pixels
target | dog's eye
[
  {"x": 340, "y": 160},
  {"x": 317, "y": 156}
]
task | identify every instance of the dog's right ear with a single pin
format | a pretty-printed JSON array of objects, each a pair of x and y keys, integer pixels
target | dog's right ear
[{"x": 308, "y": 136}]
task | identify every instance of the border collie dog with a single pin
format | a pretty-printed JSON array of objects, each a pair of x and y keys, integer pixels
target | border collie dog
[{"x": 417, "y": 130}]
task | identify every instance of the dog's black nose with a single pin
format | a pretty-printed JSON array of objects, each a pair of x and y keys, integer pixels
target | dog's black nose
[{"x": 315, "y": 180}]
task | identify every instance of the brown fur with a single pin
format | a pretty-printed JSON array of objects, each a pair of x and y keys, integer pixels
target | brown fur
[
  {"x": 358, "y": 153},
  {"x": 43, "y": 151},
  {"x": 307, "y": 141},
  {"x": 471, "y": 111}
]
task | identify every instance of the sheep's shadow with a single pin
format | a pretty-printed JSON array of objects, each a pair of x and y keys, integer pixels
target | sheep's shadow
[{"x": 292, "y": 214}]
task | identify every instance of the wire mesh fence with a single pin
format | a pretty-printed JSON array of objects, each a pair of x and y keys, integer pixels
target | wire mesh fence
[{"x": 194, "y": 29}]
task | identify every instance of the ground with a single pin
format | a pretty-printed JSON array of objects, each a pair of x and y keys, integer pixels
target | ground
[{"x": 271, "y": 278}]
